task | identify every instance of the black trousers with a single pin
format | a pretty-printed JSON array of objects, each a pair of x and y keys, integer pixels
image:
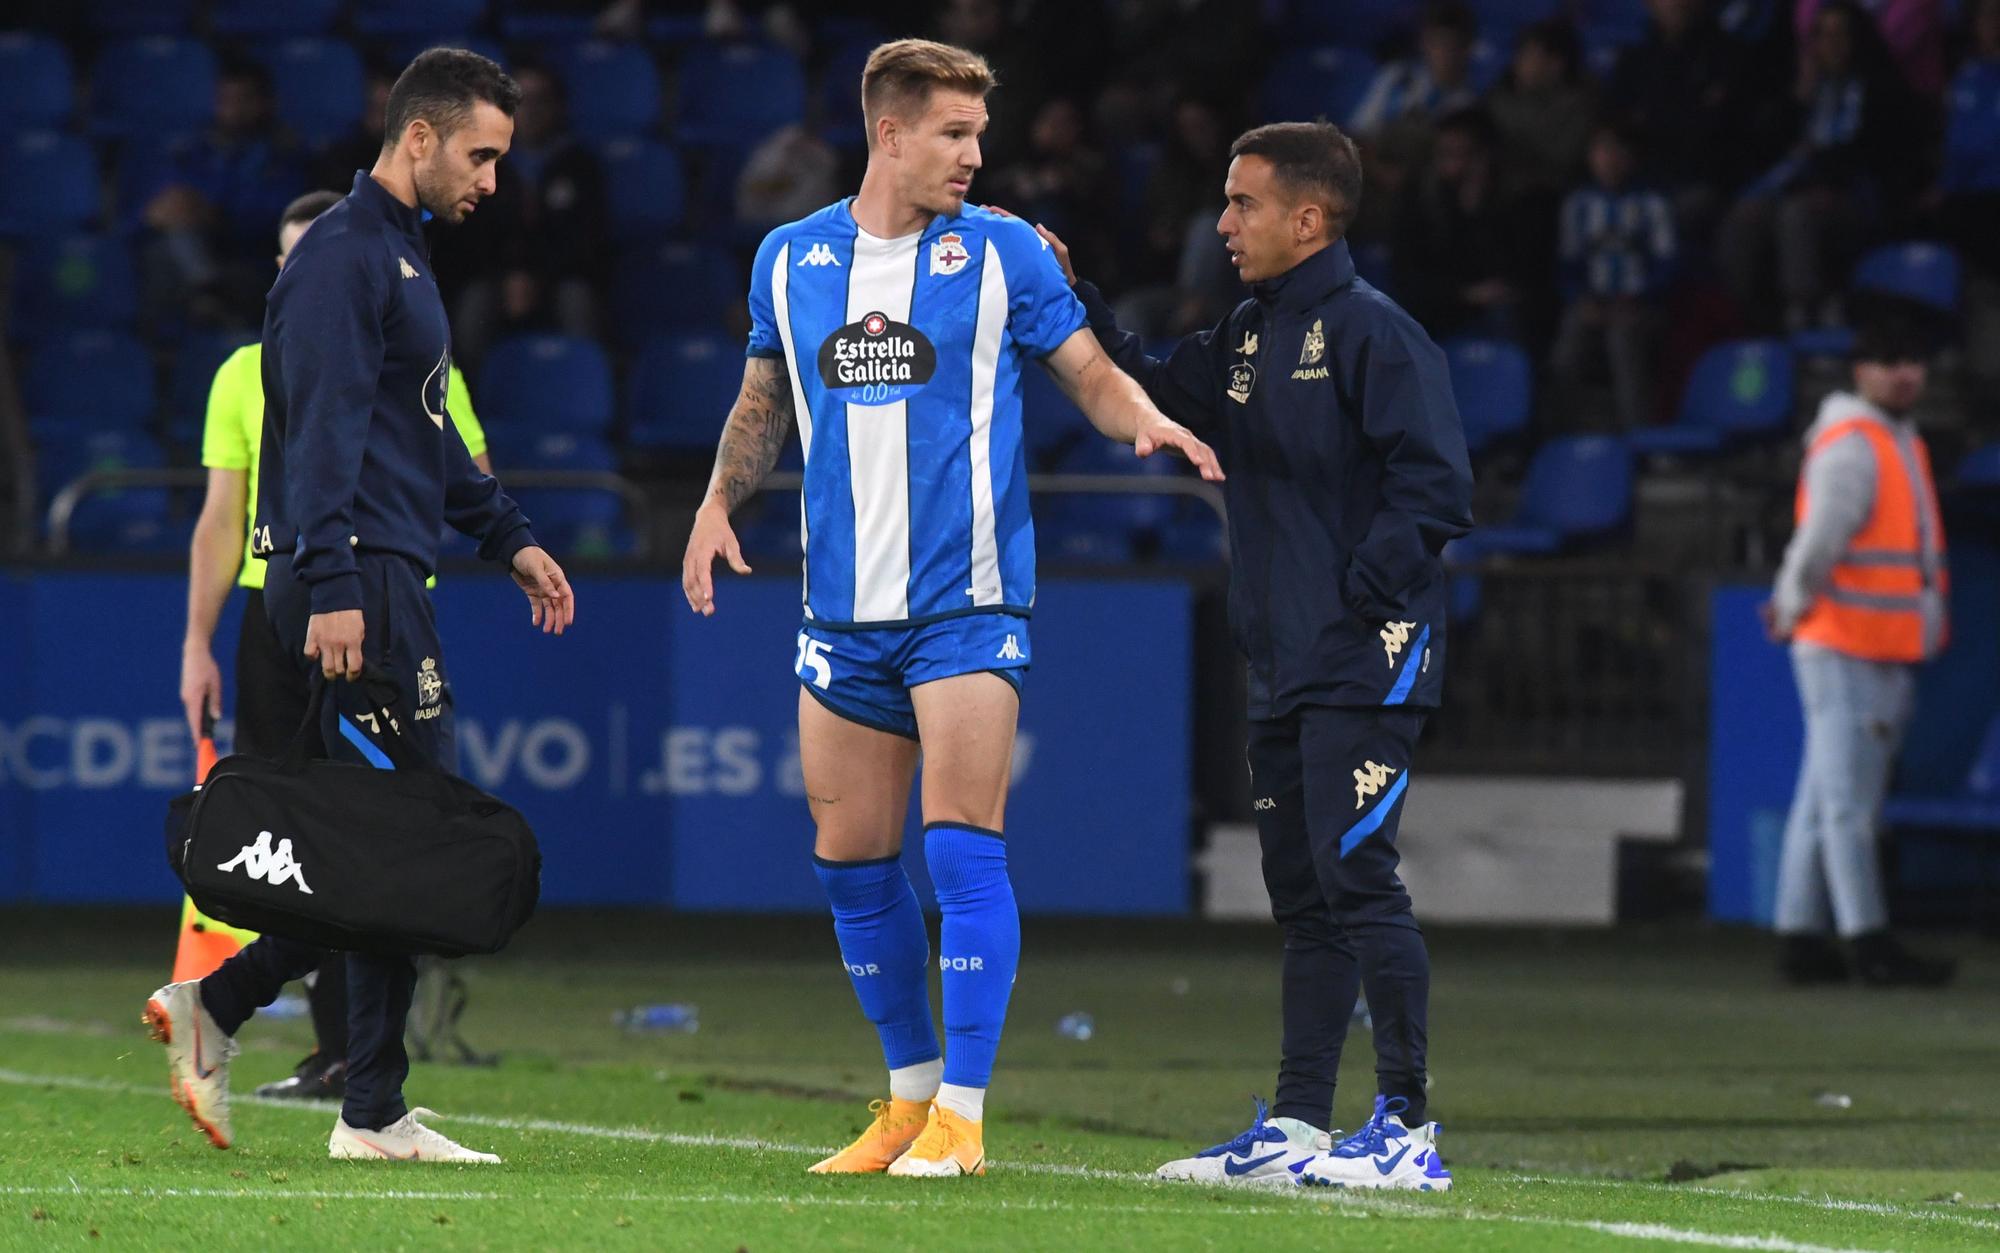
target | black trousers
[
  {"x": 400, "y": 636},
  {"x": 1329, "y": 787}
]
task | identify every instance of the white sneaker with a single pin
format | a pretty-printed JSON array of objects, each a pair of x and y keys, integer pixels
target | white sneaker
[
  {"x": 405, "y": 1140},
  {"x": 1267, "y": 1153},
  {"x": 198, "y": 1056},
  {"x": 1383, "y": 1154}
]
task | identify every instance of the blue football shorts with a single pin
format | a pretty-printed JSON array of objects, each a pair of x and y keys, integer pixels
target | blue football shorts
[{"x": 866, "y": 676}]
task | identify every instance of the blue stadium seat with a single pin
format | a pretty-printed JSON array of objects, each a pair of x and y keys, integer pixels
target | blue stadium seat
[
  {"x": 1493, "y": 382},
  {"x": 1578, "y": 487},
  {"x": 89, "y": 381},
  {"x": 1739, "y": 390},
  {"x": 1501, "y": 20},
  {"x": 680, "y": 391},
  {"x": 735, "y": 94},
  {"x": 545, "y": 29},
  {"x": 613, "y": 89},
  {"x": 48, "y": 184},
  {"x": 1139, "y": 512},
  {"x": 75, "y": 283},
  {"x": 538, "y": 383},
  {"x": 153, "y": 88},
  {"x": 840, "y": 93},
  {"x": 580, "y": 521},
  {"x": 672, "y": 287},
  {"x": 320, "y": 87},
  {"x": 430, "y": 17},
  {"x": 124, "y": 19},
  {"x": 1050, "y": 421},
  {"x": 132, "y": 519},
  {"x": 400, "y": 50},
  {"x": 199, "y": 355},
  {"x": 1918, "y": 270},
  {"x": 1358, "y": 24},
  {"x": 1980, "y": 467},
  {"x": 1975, "y": 807},
  {"x": 263, "y": 19},
  {"x": 645, "y": 189},
  {"x": 1314, "y": 82},
  {"x": 35, "y": 82}
]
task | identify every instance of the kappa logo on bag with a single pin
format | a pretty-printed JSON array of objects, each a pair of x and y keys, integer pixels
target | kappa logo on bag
[{"x": 275, "y": 868}]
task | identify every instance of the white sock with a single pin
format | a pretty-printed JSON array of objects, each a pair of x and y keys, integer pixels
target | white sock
[
  {"x": 965, "y": 1102},
  {"x": 918, "y": 1082}
]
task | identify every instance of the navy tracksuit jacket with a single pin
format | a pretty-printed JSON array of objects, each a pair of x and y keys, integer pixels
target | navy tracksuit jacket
[{"x": 1332, "y": 413}]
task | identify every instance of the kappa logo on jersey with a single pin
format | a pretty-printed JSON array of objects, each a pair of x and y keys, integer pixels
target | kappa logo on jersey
[
  {"x": 1011, "y": 650},
  {"x": 1242, "y": 377},
  {"x": 1249, "y": 345},
  {"x": 876, "y": 361},
  {"x": 275, "y": 868},
  {"x": 409, "y": 271},
  {"x": 948, "y": 254},
  {"x": 819, "y": 255},
  {"x": 1396, "y": 636},
  {"x": 1369, "y": 780}
]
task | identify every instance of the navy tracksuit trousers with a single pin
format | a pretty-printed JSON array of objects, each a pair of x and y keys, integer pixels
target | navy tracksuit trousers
[
  {"x": 1329, "y": 786},
  {"x": 400, "y": 636}
]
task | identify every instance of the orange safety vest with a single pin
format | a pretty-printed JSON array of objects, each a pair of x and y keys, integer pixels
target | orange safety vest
[{"x": 1873, "y": 607}]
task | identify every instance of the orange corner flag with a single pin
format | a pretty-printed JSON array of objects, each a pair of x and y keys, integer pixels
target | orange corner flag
[{"x": 205, "y": 943}]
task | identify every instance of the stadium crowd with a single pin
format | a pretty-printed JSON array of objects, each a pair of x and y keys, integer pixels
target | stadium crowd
[{"x": 1635, "y": 217}]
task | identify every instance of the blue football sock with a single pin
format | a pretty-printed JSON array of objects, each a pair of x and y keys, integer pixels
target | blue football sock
[
  {"x": 979, "y": 947},
  {"x": 885, "y": 946}
]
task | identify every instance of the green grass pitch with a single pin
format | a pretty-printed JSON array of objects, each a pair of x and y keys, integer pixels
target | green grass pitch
[{"x": 1644, "y": 1088}]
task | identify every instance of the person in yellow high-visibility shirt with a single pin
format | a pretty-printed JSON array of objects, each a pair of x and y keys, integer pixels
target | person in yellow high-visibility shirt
[{"x": 270, "y": 688}]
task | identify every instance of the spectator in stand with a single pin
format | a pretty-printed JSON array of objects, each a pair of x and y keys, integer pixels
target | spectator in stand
[
  {"x": 545, "y": 225},
  {"x": 1856, "y": 130},
  {"x": 209, "y": 207},
  {"x": 1617, "y": 249},
  {"x": 1437, "y": 81},
  {"x": 1543, "y": 110},
  {"x": 1682, "y": 88},
  {"x": 1181, "y": 187},
  {"x": 1912, "y": 29},
  {"x": 1967, "y": 196},
  {"x": 791, "y": 174},
  {"x": 1459, "y": 243},
  {"x": 1063, "y": 181},
  {"x": 339, "y": 160}
]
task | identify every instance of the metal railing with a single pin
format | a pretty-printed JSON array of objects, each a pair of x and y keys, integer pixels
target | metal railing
[
  {"x": 62, "y": 510},
  {"x": 1575, "y": 668}
]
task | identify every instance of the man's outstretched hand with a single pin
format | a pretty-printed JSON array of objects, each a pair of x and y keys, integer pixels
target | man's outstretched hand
[{"x": 552, "y": 603}]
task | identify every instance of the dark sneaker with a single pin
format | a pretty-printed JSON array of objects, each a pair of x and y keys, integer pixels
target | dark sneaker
[
  {"x": 1812, "y": 959},
  {"x": 316, "y": 1079},
  {"x": 1884, "y": 963}
]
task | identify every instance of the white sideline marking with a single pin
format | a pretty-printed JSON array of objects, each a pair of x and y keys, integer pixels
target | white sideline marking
[
  {"x": 1366, "y": 1201},
  {"x": 1883, "y": 1209}
]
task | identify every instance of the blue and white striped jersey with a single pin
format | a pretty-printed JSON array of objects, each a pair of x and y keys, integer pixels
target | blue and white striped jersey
[{"x": 906, "y": 358}]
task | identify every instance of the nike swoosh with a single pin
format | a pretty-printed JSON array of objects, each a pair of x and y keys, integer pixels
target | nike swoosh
[
  {"x": 1389, "y": 1164},
  {"x": 1243, "y": 1168},
  {"x": 394, "y": 1157}
]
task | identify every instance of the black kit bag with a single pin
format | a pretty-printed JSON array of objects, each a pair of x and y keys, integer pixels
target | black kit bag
[{"x": 353, "y": 858}]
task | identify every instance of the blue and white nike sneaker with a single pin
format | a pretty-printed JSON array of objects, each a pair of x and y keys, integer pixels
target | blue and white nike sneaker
[
  {"x": 1265, "y": 1154},
  {"x": 1383, "y": 1154}
]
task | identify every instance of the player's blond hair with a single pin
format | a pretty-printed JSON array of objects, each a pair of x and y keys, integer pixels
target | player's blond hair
[{"x": 900, "y": 77}]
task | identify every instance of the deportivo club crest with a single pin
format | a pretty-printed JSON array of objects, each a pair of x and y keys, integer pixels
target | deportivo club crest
[
  {"x": 1315, "y": 345},
  {"x": 429, "y": 685},
  {"x": 948, "y": 254}
]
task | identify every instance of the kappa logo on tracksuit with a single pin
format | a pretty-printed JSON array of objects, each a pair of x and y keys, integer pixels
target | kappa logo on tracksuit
[{"x": 1368, "y": 780}]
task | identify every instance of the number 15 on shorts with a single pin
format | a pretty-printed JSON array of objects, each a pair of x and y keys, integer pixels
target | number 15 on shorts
[{"x": 813, "y": 657}]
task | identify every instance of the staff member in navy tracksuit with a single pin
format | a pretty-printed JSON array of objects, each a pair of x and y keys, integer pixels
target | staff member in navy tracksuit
[
  {"x": 360, "y": 471},
  {"x": 1333, "y": 412}
]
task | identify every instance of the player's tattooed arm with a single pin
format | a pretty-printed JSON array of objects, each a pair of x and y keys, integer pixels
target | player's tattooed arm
[{"x": 755, "y": 435}]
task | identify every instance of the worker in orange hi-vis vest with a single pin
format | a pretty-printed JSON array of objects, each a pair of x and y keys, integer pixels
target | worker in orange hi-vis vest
[{"x": 1861, "y": 599}]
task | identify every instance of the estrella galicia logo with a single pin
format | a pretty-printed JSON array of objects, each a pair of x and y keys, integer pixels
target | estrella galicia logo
[{"x": 876, "y": 361}]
